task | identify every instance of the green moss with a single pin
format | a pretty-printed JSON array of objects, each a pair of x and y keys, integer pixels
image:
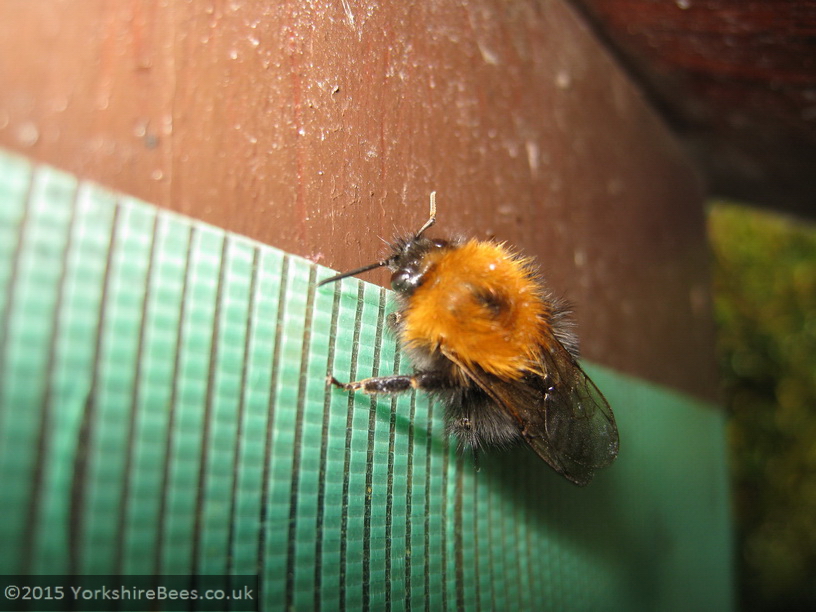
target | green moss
[{"x": 765, "y": 301}]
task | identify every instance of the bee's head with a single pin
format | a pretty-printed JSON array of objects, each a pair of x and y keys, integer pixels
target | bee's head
[{"x": 409, "y": 262}]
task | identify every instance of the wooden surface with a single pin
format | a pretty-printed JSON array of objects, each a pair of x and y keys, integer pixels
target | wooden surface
[
  {"x": 322, "y": 127},
  {"x": 737, "y": 81}
]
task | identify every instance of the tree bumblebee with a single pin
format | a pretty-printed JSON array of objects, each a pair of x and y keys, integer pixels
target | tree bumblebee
[{"x": 486, "y": 337}]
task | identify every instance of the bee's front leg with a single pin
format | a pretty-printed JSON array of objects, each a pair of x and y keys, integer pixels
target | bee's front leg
[{"x": 424, "y": 381}]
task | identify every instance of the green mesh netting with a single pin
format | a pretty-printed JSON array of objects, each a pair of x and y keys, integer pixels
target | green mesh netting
[{"x": 163, "y": 410}]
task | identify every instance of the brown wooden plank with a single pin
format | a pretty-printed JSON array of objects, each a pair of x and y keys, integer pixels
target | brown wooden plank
[{"x": 321, "y": 127}]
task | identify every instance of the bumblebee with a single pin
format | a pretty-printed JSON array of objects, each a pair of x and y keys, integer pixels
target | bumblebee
[{"x": 488, "y": 339}]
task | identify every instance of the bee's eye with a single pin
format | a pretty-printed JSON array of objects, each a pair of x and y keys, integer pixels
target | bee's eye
[{"x": 405, "y": 280}]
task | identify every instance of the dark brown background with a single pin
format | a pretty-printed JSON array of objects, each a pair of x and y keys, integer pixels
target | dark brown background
[
  {"x": 736, "y": 79},
  {"x": 321, "y": 127}
]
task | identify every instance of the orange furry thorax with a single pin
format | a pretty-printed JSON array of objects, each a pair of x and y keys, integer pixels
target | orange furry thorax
[{"x": 482, "y": 303}]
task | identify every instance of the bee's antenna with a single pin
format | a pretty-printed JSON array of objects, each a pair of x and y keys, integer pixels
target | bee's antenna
[
  {"x": 342, "y": 275},
  {"x": 432, "y": 218},
  {"x": 384, "y": 262}
]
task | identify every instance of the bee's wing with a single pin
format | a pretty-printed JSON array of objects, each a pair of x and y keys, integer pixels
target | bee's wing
[
  {"x": 579, "y": 427},
  {"x": 564, "y": 417}
]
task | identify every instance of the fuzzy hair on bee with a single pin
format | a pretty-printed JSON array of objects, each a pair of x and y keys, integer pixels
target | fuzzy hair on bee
[{"x": 486, "y": 337}]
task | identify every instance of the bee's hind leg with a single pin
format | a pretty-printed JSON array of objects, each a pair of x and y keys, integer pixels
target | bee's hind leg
[{"x": 424, "y": 381}]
